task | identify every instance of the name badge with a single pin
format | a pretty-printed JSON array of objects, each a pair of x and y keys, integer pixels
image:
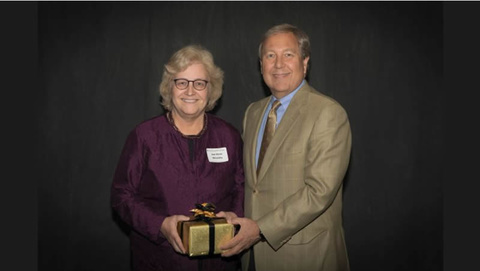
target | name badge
[{"x": 217, "y": 155}]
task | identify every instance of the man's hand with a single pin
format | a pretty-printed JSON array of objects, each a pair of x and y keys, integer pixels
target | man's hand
[
  {"x": 248, "y": 235},
  {"x": 227, "y": 215},
  {"x": 169, "y": 230}
]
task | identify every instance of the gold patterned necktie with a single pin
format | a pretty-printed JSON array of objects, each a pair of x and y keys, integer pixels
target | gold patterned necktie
[{"x": 269, "y": 131}]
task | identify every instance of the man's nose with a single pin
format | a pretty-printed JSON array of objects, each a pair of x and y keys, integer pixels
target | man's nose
[{"x": 279, "y": 62}]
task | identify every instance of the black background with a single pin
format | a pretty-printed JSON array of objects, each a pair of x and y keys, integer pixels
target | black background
[
  {"x": 99, "y": 69},
  {"x": 100, "y": 66}
]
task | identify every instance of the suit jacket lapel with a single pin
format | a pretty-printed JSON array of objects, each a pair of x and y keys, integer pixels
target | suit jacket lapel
[
  {"x": 255, "y": 128},
  {"x": 295, "y": 110}
]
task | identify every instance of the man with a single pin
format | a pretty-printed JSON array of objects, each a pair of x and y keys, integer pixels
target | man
[{"x": 293, "y": 204}]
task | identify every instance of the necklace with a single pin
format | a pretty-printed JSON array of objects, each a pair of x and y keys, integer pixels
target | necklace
[{"x": 172, "y": 122}]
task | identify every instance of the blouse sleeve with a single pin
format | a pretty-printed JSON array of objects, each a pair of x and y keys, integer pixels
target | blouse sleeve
[
  {"x": 239, "y": 189},
  {"x": 125, "y": 200}
]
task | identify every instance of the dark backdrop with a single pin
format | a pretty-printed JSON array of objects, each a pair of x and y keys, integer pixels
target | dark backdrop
[{"x": 100, "y": 67}]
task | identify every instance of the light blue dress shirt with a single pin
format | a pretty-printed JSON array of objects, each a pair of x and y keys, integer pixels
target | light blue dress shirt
[{"x": 285, "y": 101}]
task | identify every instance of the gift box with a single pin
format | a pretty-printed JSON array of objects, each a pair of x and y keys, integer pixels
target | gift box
[
  {"x": 203, "y": 233},
  {"x": 203, "y": 238}
]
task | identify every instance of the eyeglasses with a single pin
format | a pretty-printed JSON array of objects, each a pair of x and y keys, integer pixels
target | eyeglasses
[{"x": 198, "y": 84}]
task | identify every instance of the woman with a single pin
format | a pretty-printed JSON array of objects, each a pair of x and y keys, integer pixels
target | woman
[{"x": 173, "y": 161}]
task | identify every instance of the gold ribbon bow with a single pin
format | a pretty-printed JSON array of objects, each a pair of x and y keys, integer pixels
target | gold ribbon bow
[{"x": 204, "y": 210}]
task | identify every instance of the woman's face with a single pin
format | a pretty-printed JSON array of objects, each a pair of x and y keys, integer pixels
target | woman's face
[{"x": 190, "y": 103}]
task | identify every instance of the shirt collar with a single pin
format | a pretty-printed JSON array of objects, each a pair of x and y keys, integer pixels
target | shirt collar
[{"x": 287, "y": 99}]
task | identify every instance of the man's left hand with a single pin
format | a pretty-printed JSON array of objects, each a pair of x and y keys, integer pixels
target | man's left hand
[{"x": 248, "y": 235}]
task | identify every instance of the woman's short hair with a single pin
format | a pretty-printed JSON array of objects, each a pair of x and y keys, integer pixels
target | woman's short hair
[
  {"x": 302, "y": 38},
  {"x": 179, "y": 62}
]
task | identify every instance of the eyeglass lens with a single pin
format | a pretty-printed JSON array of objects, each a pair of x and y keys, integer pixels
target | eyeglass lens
[{"x": 198, "y": 84}]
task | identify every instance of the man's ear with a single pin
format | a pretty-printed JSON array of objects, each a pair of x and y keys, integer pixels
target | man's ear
[
  {"x": 261, "y": 67},
  {"x": 305, "y": 65}
]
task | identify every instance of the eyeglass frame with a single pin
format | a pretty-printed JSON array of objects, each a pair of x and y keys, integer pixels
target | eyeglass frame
[{"x": 193, "y": 83}]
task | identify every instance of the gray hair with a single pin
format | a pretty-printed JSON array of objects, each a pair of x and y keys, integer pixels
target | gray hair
[{"x": 302, "y": 38}]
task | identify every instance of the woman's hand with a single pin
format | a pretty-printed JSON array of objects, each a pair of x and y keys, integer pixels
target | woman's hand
[{"x": 169, "y": 230}]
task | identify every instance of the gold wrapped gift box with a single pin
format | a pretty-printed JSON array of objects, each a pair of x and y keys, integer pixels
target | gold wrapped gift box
[{"x": 203, "y": 238}]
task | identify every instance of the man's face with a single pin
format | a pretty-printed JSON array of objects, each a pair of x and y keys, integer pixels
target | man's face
[{"x": 283, "y": 68}]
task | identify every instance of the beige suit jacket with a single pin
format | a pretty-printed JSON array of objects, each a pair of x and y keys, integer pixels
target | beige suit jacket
[{"x": 297, "y": 197}]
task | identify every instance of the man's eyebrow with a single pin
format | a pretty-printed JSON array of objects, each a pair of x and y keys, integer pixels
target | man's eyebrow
[{"x": 284, "y": 50}]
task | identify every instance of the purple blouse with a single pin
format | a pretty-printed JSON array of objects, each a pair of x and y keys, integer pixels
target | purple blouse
[{"x": 162, "y": 173}]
